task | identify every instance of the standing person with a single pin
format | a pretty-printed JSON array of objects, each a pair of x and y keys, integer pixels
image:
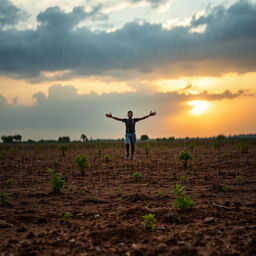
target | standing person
[{"x": 130, "y": 136}]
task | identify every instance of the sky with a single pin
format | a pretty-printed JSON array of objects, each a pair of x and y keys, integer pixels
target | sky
[{"x": 64, "y": 64}]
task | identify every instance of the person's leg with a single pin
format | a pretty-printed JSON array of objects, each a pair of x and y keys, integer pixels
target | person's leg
[
  {"x": 133, "y": 141},
  {"x": 133, "y": 149},
  {"x": 127, "y": 150},
  {"x": 127, "y": 142}
]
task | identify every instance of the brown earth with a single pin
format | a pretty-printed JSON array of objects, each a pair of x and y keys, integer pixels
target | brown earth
[{"x": 108, "y": 204}]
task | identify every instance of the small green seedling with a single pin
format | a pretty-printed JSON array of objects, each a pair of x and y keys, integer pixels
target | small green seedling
[
  {"x": 82, "y": 163},
  {"x": 182, "y": 202},
  {"x": 160, "y": 193},
  {"x": 56, "y": 181},
  {"x": 227, "y": 188},
  {"x": 216, "y": 145},
  {"x": 238, "y": 177},
  {"x": 137, "y": 176},
  {"x": 67, "y": 216},
  {"x": 119, "y": 192},
  {"x": 190, "y": 146},
  {"x": 185, "y": 156},
  {"x": 183, "y": 178},
  {"x": 63, "y": 149},
  {"x": 147, "y": 148},
  {"x": 243, "y": 147},
  {"x": 149, "y": 220},
  {"x": 107, "y": 158},
  {"x": 8, "y": 182},
  {"x": 4, "y": 197}
]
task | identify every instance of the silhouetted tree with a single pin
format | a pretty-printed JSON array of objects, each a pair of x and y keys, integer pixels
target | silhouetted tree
[
  {"x": 7, "y": 139},
  {"x": 84, "y": 137},
  {"x": 64, "y": 139},
  {"x": 144, "y": 137},
  {"x": 220, "y": 137},
  {"x": 17, "y": 138}
]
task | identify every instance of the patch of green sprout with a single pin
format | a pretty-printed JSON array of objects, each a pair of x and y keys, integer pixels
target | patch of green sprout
[
  {"x": 182, "y": 202},
  {"x": 243, "y": 147},
  {"x": 8, "y": 182},
  {"x": 137, "y": 176},
  {"x": 216, "y": 145},
  {"x": 227, "y": 188},
  {"x": 82, "y": 163},
  {"x": 238, "y": 177},
  {"x": 160, "y": 193},
  {"x": 99, "y": 150},
  {"x": 107, "y": 158},
  {"x": 190, "y": 146},
  {"x": 56, "y": 181},
  {"x": 71, "y": 187},
  {"x": 67, "y": 216},
  {"x": 147, "y": 148},
  {"x": 183, "y": 178},
  {"x": 184, "y": 156},
  {"x": 4, "y": 196},
  {"x": 149, "y": 221},
  {"x": 63, "y": 149},
  {"x": 120, "y": 192}
]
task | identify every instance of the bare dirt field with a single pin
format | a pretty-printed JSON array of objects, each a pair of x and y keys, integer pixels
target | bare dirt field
[{"x": 107, "y": 204}]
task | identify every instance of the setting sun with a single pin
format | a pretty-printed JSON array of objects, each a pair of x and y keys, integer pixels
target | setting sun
[{"x": 199, "y": 106}]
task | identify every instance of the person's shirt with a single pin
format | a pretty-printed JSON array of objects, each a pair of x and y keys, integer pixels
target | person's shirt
[{"x": 130, "y": 124}]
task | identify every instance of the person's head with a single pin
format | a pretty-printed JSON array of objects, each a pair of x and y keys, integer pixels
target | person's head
[{"x": 130, "y": 114}]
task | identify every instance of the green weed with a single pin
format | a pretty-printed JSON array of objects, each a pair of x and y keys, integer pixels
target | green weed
[
  {"x": 63, "y": 149},
  {"x": 8, "y": 182},
  {"x": 227, "y": 188},
  {"x": 137, "y": 176},
  {"x": 4, "y": 196},
  {"x": 243, "y": 147},
  {"x": 56, "y": 181},
  {"x": 67, "y": 216},
  {"x": 149, "y": 220},
  {"x": 82, "y": 163},
  {"x": 185, "y": 156},
  {"x": 107, "y": 158},
  {"x": 182, "y": 202}
]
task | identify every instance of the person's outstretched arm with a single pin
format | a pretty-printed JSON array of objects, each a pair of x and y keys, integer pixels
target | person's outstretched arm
[
  {"x": 116, "y": 118},
  {"x": 152, "y": 113}
]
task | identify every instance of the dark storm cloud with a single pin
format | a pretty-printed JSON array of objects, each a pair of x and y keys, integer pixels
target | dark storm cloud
[
  {"x": 227, "y": 45},
  {"x": 65, "y": 109},
  {"x": 9, "y": 13}
]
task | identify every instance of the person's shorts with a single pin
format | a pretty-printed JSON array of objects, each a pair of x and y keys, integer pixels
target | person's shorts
[{"x": 130, "y": 138}]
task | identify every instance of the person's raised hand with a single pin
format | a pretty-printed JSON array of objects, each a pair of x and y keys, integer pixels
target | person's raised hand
[
  {"x": 152, "y": 113},
  {"x": 108, "y": 115}
]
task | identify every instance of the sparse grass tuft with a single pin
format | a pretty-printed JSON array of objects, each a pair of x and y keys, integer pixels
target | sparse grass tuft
[
  {"x": 160, "y": 193},
  {"x": 137, "y": 176},
  {"x": 67, "y": 216},
  {"x": 82, "y": 163},
  {"x": 147, "y": 148},
  {"x": 149, "y": 220},
  {"x": 63, "y": 148},
  {"x": 243, "y": 147},
  {"x": 227, "y": 188},
  {"x": 4, "y": 197},
  {"x": 56, "y": 181},
  {"x": 107, "y": 158},
  {"x": 182, "y": 202},
  {"x": 185, "y": 156},
  {"x": 8, "y": 182}
]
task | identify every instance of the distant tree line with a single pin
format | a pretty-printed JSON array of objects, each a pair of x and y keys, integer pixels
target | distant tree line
[
  {"x": 66, "y": 139},
  {"x": 62, "y": 139},
  {"x": 11, "y": 138}
]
